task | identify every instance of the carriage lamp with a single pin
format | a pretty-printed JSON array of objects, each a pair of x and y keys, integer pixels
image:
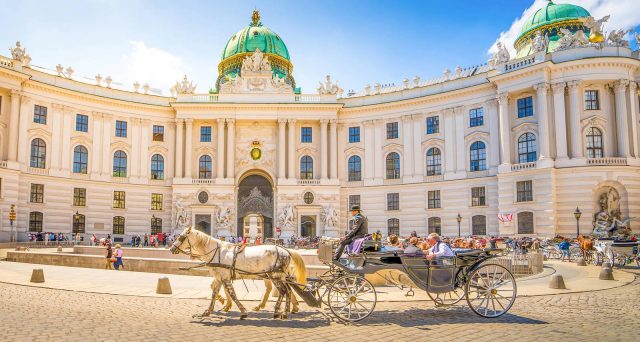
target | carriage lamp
[
  {"x": 459, "y": 219},
  {"x": 577, "y": 215}
]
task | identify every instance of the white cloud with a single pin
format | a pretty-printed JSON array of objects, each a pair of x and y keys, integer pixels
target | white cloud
[
  {"x": 624, "y": 14},
  {"x": 159, "y": 68}
]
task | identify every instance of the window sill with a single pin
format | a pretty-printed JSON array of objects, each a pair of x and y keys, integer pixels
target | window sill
[
  {"x": 434, "y": 209},
  {"x": 525, "y": 202},
  {"x": 478, "y": 206}
]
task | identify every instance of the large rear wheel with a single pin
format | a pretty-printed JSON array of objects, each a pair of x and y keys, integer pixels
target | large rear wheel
[
  {"x": 491, "y": 290},
  {"x": 352, "y": 298}
]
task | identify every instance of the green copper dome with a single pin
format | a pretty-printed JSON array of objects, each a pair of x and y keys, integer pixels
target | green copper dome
[{"x": 550, "y": 14}]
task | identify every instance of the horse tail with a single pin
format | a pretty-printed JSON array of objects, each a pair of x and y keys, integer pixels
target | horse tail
[{"x": 299, "y": 269}]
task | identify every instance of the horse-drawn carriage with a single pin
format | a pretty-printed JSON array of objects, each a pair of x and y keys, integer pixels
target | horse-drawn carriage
[
  {"x": 489, "y": 289},
  {"x": 618, "y": 253}
]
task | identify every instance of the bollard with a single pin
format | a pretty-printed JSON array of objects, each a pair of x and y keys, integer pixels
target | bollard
[
  {"x": 37, "y": 276},
  {"x": 545, "y": 257},
  {"x": 580, "y": 262},
  {"x": 164, "y": 287},
  {"x": 59, "y": 249},
  {"x": 606, "y": 274},
  {"x": 557, "y": 282},
  {"x": 606, "y": 265}
]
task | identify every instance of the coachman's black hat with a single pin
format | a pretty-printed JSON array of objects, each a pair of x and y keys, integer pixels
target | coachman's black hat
[{"x": 355, "y": 207}]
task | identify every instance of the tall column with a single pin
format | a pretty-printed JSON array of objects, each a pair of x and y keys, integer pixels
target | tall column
[
  {"x": 179, "y": 146},
  {"x": 407, "y": 145},
  {"x": 134, "y": 157},
  {"x": 333, "y": 149},
  {"x": 560, "y": 120},
  {"x": 449, "y": 141},
  {"x": 368, "y": 150},
  {"x": 505, "y": 128},
  {"x": 231, "y": 148},
  {"x": 14, "y": 122},
  {"x": 282, "y": 125},
  {"x": 57, "y": 115},
  {"x": 491, "y": 110},
  {"x": 419, "y": 162},
  {"x": 26, "y": 113},
  {"x": 145, "y": 160},
  {"x": 96, "y": 150},
  {"x": 291, "y": 155},
  {"x": 323, "y": 148},
  {"x": 461, "y": 152},
  {"x": 622, "y": 128},
  {"x": 220, "y": 149},
  {"x": 378, "y": 157},
  {"x": 575, "y": 108},
  {"x": 107, "y": 132},
  {"x": 633, "y": 108},
  {"x": 188, "y": 148},
  {"x": 543, "y": 119},
  {"x": 66, "y": 139},
  {"x": 609, "y": 106}
]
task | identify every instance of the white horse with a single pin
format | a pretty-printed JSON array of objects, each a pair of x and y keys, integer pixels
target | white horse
[{"x": 227, "y": 262}]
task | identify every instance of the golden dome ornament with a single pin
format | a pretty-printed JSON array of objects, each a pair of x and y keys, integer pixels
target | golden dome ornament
[
  {"x": 596, "y": 37},
  {"x": 256, "y": 152}
]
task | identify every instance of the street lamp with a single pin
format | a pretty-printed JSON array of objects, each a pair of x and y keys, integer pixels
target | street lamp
[
  {"x": 459, "y": 219},
  {"x": 577, "y": 215}
]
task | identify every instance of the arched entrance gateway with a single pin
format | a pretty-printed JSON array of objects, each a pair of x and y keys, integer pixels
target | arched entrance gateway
[{"x": 255, "y": 206}]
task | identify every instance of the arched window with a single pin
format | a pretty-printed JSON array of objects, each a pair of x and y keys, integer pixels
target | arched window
[
  {"x": 435, "y": 225},
  {"x": 35, "y": 221},
  {"x": 156, "y": 225},
  {"x": 478, "y": 156},
  {"x": 594, "y": 143},
  {"x": 393, "y": 165},
  {"x": 119, "y": 164},
  {"x": 78, "y": 223},
  {"x": 157, "y": 167},
  {"x": 118, "y": 225},
  {"x": 38, "y": 153},
  {"x": 306, "y": 167},
  {"x": 393, "y": 226},
  {"x": 525, "y": 222},
  {"x": 527, "y": 148},
  {"x": 205, "y": 167},
  {"x": 479, "y": 225},
  {"x": 355, "y": 169},
  {"x": 434, "y": 161},
  {"x": 80, "y": 159}
]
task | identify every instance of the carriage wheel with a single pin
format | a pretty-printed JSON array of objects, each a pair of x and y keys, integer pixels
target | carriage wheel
[
  {"x": 352, "y": 298},
  {"x": 447, "y": 298},
  {"x": 491, "y": 290}
]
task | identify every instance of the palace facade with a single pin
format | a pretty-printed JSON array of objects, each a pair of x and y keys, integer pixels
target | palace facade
[{"x": 510, "y": 147}]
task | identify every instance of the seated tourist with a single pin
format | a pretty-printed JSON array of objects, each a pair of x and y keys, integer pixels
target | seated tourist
[
  {"x": 392, "y": 244},
  {"x": 439, "y": 249},
  {"x": 412, "y": 248}
]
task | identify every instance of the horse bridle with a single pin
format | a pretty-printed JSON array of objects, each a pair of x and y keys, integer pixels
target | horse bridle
[{"x": 181, "y": 239}]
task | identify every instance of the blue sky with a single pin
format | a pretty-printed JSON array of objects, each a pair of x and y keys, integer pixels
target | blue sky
[{"x": 357, "y": 42}]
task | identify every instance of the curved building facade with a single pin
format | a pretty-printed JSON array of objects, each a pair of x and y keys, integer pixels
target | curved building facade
[{"x": 510, "y": 148}]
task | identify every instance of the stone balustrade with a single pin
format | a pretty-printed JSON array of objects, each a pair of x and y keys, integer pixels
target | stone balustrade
[
  {"x": 523, "y": 166},
  {"x": 606, "y": 161}
]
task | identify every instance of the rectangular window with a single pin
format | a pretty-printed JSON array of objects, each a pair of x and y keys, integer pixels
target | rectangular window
[
  {"x": 118, "y": 200},
  {"x": 591, "y": 100},
  {"x": 37, "y": 193},
  {"x": 476, "y": 117},
  {"x": 205, "y": 134},
  {"x": 40, "y": 114},
  {"x": 121, "y": 129},
  {"x": 393, "y": 201},
  {"x": 354, "y": 200},
  {"x": 354, "y": 134},
  {"x": 478, "y": 197},
  {"x": 525, "y": 191},
  {"x": 82, "y": 123},
  {"x": 392, "y": 130},
  {"x": 156, "y": 201},
  {"x": 158, "y": 133},
  {"x": 79, "y": 197},
  {"x": 118, "y": 225},
  {"x": 525, "y": 107},
  {"x": 433, "y": 125},
  {"x": 433, "y": 199},
  {"x": 305, "y": 134},
  {"x": 156, "y": 225}
]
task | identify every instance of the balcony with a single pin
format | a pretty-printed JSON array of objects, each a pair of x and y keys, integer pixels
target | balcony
[
  {"x": 607, "y": 162},
  {"x": 523, "y": 166},
  {"x": 308, "y": 182},
  {"x": 38, "y": 171},
  {"x": 434, "y": 178},
  {"x": 6, "y": 62},
  {"x": 80, "y": 175},
  {"x": 477, "y": 174}
]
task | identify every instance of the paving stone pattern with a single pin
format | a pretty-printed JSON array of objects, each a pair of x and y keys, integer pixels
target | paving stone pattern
[{"x": 38, "y": 314}]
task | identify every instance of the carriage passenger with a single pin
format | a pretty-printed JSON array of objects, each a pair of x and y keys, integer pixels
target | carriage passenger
[
  {"x": 439, "y": 248},
  {"x": 412, "y": 248}
]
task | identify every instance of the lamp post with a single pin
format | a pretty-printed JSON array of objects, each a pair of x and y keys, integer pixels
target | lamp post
[
  {"x": 459, "y": 219},
  {"x": 577, "y": 215}
]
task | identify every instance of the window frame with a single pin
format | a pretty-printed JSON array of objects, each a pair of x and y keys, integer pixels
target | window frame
[
  {"x": 351, "y": 201},
  {"x": 120, "y": 170},
  {"x": 36, "y": 221},
  {"x": 521, "y": 223},
  {"x": 434, "y": 225},
  {"x": 36, "y": 193},
  {"x": 119, "y": 199},
  {"x": 306, "y": 167},
  {"x": 524, "y": 107},
  {"x": 478, "y": 225},
  {"x": 79, "y": 197},
  {"x": 158, "y": 133},
  {"x": 205, "y": 134},
  {"x": 40, "y": 114},
  {"x": 80, "y": 166},
  {"x": 118, "y": 225},
  {"x": 434, "y": 201},
  {"x": 394, "y": 163},
  {"x": 157, "y": 201},
  {"x": 306, "y": 134},
  {"x": 79, "y": 222},
  {"x": 205, "y": 173},
  {"x": 354, "y": 168},
  {"x": 524, "y": 191},
  {"x": 433, "y": 161},
  {"x": 478, "y": 196},
  {"x": 591, "y": 103},
  {"x": 157, "y": 167},
  {"x": 478, "y": 156},
  {"x": 592, "y": 150},
  {"x": 476, "y": 117},
  {"x": 527, "y": 148},
  {"x": 354, "y": 134},
  {"x": 121, "y": 129},
  {"x": 393, "y": 201},
  {"x": 156, "y": 225},
  {"x": 392, "y": 130},
  {"x": 432, "y": 124},
  {"x": 82, "y": 123},
  {"x": 393, "y": 226},
  {"x": 38, "y": 156}
]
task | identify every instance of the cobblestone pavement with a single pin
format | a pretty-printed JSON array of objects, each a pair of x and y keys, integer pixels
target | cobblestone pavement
[{"x": 37, "y": 314}]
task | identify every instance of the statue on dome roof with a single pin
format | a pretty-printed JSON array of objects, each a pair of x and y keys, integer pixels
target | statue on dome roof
[
  {"x": 540, "y": 42},
  {"x": 329, "y": 88},
  {"x": 255, "y": 18},
  {"x": 617, "y": 38},
  {"x": 570, "y": 40},
  {"x": 256, "y": 62},
  {"x": 19, "y": 53},
  {"x": 499, "y": 57},
  {"x": 637, "y": 35},
  {"x": 595, "y": 26}
]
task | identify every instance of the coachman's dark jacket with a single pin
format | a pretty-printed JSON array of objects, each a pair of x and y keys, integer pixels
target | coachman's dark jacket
[{"x": 359, "y": 228}]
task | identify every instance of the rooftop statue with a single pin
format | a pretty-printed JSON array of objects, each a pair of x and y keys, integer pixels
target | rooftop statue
[
  {"x": 329, "y": 88},
  {"x": 19, "y": 53},
  {"x": 595, "y": 26},
  {"x": 617, "y": 38},
  {"x": 256, "y": 62},
  {"x": 501, "y": 56},
  {"x": 256, "y": 75},
  {"x": 570, "y": 40},
  {"x": 540, "y": 42},
  {"x": 184, "y": 87}
]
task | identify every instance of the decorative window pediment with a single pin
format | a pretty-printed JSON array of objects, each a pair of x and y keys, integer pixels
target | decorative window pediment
[
  {"x": 594, "y": 120},
  {"x": 433, "y": 142},
  {"x": 158, "y": 149},
  {"x": 477, "y": 135},
  {"x": 120, "y": 145},
  {"x": 392, "y": 147},
  {"x": 39, "y": 132},
  {"x": 524, "y": 127},
  {"x": 81, "y": 140},
  {"x": 307, "y": 150},
  {"x": 354, "y": 150}
]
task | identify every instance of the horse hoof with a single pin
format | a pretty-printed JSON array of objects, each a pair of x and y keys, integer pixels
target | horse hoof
[
  {"x": 243, "y": 316},
  {"x": 256, "y": 308},
  {"x": 284, "y": 316},
  {"x": 226, "y": 309},
  {"x": 276, "y": 316},
  {"x": 295, "y": 310}
]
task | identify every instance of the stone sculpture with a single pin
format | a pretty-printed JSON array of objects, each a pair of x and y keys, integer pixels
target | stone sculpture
[
  {"x": 330, "y": 216},
  {"x": 184, "y": 87},
  {"x": 540, "y": 42},
  {"x": 570, "y": 40},
  {"x": 329, "y": 88},
  {"x": 286, "y": 219},
  {"x": 617, "y": 38},
  {"x": 608, "y": 222},
  {"x": 499, "y": 57}
]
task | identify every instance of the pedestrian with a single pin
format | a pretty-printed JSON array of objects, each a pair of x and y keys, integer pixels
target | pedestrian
[
  {"x": 258, "y": 242},
  {"x": 133, "y": 240},
  {"x": 109, "y": 259},
  {"x": 564, "y": 248},
  {"x": 138, "y": 238},
  {"x": 146, "y": 240},
  {"x": 118, "y": 256},
  {"x": 493, "y": 243},
  {"x": 46, "y": 239},
  {"x": 93, "y": 239},
  {"x": 161, "y": 239}
]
